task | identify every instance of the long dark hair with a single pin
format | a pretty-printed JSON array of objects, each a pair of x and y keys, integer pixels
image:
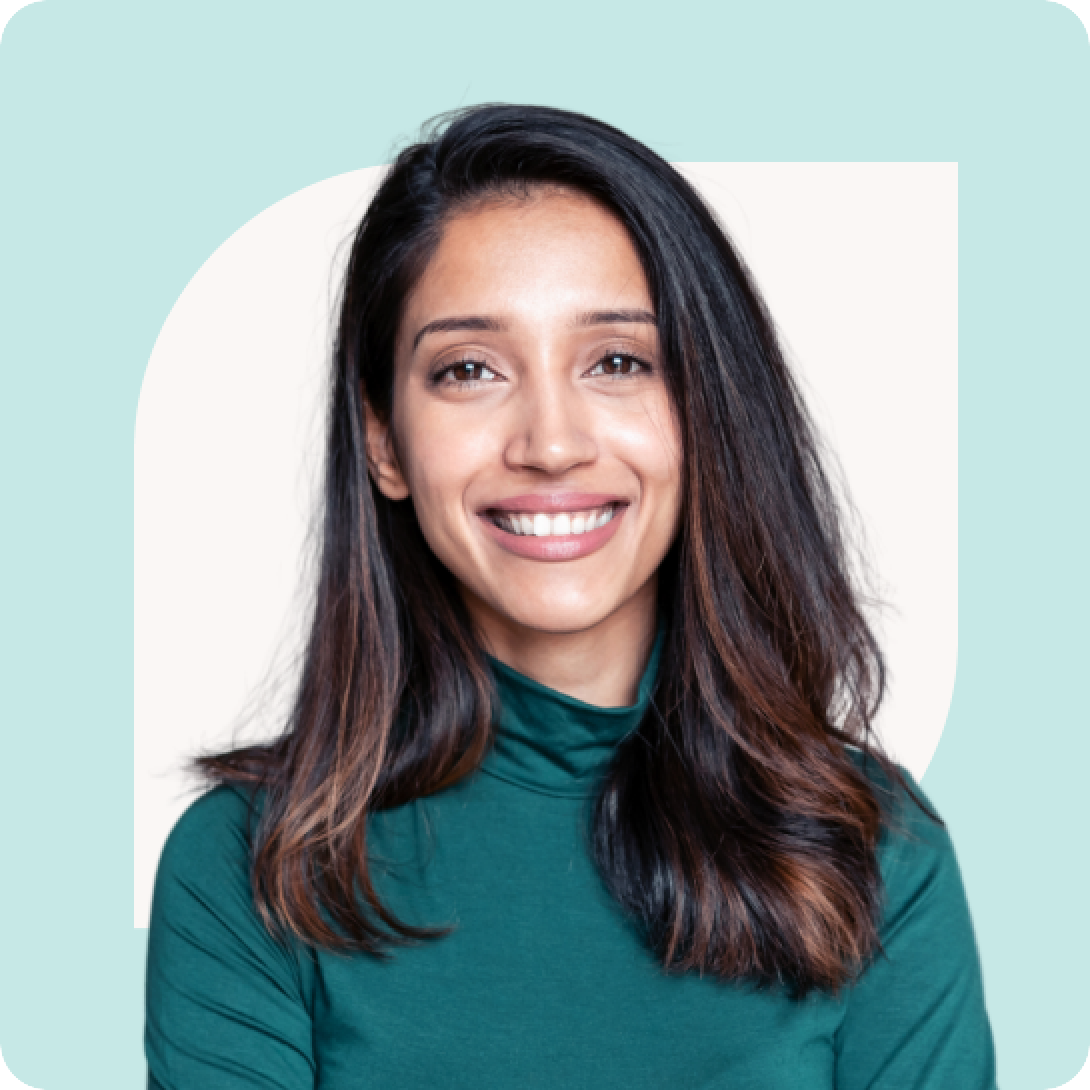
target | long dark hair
[{"x": 735, "y": 826}]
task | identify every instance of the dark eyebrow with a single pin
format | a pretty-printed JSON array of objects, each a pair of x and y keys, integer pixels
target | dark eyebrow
[
  {"x": 613, "y": 317},
  {"x": 475, "y": 322}
]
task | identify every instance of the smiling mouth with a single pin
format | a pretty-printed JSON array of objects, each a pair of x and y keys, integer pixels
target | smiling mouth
[{"x": 557, "y": 524}]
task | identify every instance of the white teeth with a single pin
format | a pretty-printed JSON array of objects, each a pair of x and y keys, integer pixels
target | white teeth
[{"x": 564, "y": 524}]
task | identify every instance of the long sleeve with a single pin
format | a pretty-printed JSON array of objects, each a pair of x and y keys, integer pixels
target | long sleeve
[
  {"x": 916, "y": 1020},
  {"x": 226, "y": 1003}
]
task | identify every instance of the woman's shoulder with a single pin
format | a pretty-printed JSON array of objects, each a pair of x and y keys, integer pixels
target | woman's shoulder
[
  {"x": 910, "y": 816},
  {"x": 915, "y": 850},
  {"x": 219, "y": 984},
  {"x": 219, "y": 818},
  {"x": 209, "y": 848},
  {"x": 917, "y": 1013}
]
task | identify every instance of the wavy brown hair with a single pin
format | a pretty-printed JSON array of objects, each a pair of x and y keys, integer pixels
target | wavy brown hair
[{"x": 738, "y": 825}]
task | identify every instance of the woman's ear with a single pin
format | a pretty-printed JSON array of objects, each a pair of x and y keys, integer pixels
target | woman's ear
[{"x": 381, "y": 459}]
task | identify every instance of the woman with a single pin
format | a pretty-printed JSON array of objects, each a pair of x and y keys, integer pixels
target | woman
[{"x": 579, "y": 787}]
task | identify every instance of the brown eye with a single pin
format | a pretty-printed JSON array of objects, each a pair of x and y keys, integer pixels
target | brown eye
[
  {"x": 618, "y": 365},
  {"x": 465, "y": 371}
]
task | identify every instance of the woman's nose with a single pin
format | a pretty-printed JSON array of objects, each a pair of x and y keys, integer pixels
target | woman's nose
[{"x": 550, "y": 432}]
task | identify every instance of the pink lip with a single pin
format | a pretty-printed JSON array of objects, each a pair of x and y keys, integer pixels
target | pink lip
[
  {"x": 545, "y": 502},
  {"x": 569, "y": 547}
]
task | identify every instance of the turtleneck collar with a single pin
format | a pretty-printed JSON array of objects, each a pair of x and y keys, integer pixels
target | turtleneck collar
[{"x": 549, "y": 742}]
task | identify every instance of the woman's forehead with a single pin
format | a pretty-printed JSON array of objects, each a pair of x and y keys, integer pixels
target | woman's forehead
[{"x": 559, "y": 253}]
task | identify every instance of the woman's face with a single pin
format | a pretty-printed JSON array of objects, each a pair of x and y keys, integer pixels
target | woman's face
[{"x": 536, "y": 437}]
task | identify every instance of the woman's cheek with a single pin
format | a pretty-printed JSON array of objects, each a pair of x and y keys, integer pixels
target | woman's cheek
[
  {"x": 436, "y": 501},
  {"x": 648, "y": 441}
]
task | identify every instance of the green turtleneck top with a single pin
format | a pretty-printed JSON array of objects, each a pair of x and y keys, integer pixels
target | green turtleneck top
[{"x": 542, "y": 983}]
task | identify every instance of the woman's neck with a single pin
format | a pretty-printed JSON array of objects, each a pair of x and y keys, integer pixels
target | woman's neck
[{"x": 600, "y": 665}]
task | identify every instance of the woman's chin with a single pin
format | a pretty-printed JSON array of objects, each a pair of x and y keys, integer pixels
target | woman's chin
[{"x": 548, "y": 616}]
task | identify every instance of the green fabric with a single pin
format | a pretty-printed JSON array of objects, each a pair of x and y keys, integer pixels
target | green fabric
[{"x": 543, "y": 983}]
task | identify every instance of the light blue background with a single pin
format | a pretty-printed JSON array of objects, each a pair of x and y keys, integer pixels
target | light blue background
[{"x": 136, "y": 138}]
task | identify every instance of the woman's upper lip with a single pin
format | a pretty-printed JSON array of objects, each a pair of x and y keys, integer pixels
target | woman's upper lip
[{"x": 545, "y": 502}]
